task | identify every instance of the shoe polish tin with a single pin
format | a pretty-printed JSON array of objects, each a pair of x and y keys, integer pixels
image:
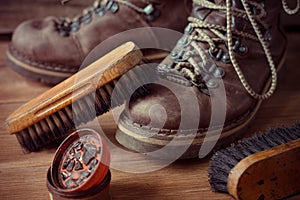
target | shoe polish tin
[{"x": 79, "y": 169}]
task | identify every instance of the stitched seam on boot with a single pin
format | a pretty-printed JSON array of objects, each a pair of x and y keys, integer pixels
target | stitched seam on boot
[
  {"x": 171, "y": 132},
  {"x": 79, "y": 46},
  {"x": 43, "y": 65}
]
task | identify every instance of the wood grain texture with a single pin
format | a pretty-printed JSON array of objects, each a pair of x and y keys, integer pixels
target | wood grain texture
[
  {"x": 24, "y": 176},
  {"x": 270, "y": 174},
  {"x": 96, "y": 75}
]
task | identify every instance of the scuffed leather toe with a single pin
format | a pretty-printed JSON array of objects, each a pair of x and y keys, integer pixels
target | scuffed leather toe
[
  {"x": 40, "y": 39},
  {"x": 170, "y": 104}
]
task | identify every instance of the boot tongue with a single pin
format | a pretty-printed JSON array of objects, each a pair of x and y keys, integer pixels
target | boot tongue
[
  {"x": 218, "y": 17},
  {"x": 208, "y": 15},
  {"x": 214, "y": 16}
]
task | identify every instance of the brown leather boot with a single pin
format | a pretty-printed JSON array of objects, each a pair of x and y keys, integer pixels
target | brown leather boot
[
  {"x": 52, "y": 49},
  {"x": 228, "y": 69}
]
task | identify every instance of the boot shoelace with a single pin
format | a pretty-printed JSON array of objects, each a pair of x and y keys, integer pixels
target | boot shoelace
[
  {"x": 202, "y": 73},
  {"x": 67, "y": 25}
]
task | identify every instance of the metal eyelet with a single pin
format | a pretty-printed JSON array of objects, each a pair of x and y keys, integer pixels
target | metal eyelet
[
  {"x": 268, "y": 36},
  {"x": 109, "y": 4},
  {"x": 174, "y": 54},
  {"x": 219, "y": 73},
  {"x": 163, "y": 69},
  {"x": 64, "y": 28},
  {"x": 178, "y": 55},
  {"x": 188, "y": 29},
  {"x": 75, "y": 26},
  {"x": 238, "y": 47},
  {"x": 114, "y": 8},
  {"x": 151, "y": 12},
  {"x": 217, "y": 54},
  {"x": 184, "y": 41},
  {"x": 86, "y": 18},
  {"x": 243, "y": 49},
  {"x": 100, "y": 11},
  {"x": 226, "y": 58},
  {"x": 211, "y": 84},
  {"x": 149, "y": 9}
]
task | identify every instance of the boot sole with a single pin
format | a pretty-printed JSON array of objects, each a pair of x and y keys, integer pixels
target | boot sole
[
  {"x": 49, "y": 76},
  {"x": 28, "y": 70},
  {"x": 135, "y": 136}
]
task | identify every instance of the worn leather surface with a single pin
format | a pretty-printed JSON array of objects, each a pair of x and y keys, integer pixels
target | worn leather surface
[
  {"x": 39, "y": 41},
  {"x": 238, "y": 102}
]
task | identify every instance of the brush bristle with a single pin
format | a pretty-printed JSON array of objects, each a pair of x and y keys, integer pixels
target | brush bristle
[
  {"x": 62, "y": 123},
  {"x": 225, "y": 159}
]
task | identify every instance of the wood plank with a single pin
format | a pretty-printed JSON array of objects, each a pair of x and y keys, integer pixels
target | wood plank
[{"x": 24, "y": 176}]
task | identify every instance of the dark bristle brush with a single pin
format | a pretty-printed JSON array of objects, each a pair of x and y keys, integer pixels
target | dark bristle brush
[
  {"x": 265, "y": 166},
  {"x": 50, "y": 116}
]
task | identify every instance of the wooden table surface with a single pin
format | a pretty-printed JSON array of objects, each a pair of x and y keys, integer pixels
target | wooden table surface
[{"x": 24, "y": 176}]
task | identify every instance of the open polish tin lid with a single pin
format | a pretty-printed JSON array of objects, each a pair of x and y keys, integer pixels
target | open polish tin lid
[{"x": 80, "y": 164}]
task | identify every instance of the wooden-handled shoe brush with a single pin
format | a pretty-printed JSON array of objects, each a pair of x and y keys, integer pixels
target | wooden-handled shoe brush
[
  {"x": 265, "y": 166},
  {"x": 83, "y": 96}
]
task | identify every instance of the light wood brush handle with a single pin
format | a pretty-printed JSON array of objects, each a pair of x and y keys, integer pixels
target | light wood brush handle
[
  {"x": 270, "y": 174},
  {"x": 109, "y": 67}
]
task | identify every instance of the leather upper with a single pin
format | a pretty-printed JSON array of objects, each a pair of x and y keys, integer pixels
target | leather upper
[
  {"x": 238, "y": 102},
  {"x": 40, "y": 40}
]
